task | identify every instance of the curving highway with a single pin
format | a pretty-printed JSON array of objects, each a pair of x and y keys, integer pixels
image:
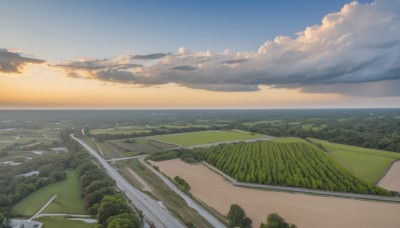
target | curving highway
[{"x": 152, "y": 211}]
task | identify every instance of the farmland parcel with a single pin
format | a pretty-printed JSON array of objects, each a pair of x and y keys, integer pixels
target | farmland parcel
[{"x": 302, "y": 210}]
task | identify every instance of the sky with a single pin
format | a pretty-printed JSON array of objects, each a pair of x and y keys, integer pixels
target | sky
[{"x": 199, "y": 54}]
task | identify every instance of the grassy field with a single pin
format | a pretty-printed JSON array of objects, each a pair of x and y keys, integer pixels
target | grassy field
[
  {"x": 370, "y": 168},
  {"x": 369, "y": 164},
  {"x": 51, "y": 222},
  {"x": 204, "y": 137},
  {"x": 68, "y": 199}
]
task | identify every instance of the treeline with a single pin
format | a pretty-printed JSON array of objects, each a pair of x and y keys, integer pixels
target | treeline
[
  {"x": 160, "y": 131},
  {"x": 99, "y": 192},
  {"x": 101, "y": 198},
  {"x": 287, "y": 164},
  {"x": 276, "y": 221},
  {"x": 188, "y": 156},
  {"x": 377, "y": 132}
]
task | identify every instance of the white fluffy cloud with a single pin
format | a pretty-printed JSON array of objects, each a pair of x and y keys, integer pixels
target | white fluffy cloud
[{"x": 360, "y": 44}]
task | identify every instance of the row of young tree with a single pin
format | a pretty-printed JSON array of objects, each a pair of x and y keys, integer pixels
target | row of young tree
[{"x": 288, "y": 164}]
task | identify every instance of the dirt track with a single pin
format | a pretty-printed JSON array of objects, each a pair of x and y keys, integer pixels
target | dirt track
[
  {"x": 303, "y": 210},
  {"x": 391, "y": 180}
]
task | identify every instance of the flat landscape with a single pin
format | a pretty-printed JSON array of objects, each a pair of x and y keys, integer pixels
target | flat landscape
[
  {"x": 205, "y": 137},
  {"x": 302, "y": 210}
]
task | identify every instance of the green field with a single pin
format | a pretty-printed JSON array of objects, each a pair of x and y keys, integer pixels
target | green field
[
  {"x": 204, "y": 137},
  {"x": 369, "y": 164},
  {"x": 68, "y": 200},
  {"x": 51, "y": 222},
  {"x": 293, "y": 164}
]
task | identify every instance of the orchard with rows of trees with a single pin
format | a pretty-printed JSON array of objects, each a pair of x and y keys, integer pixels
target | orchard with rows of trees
[{"x": 291, "y": 164}]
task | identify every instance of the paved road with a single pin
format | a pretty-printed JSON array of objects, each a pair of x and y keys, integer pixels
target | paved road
[
  {"x": 44, "y": 207},
  {"x": 304, "y": 190},
  {"x": 151, "y": 209},
  {"x": 203, "y": 212}
]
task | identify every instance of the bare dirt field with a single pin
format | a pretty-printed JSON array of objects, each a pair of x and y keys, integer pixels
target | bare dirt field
[
  {"x": 302, "y": 210},
  {"x": 391, "y": 181}
]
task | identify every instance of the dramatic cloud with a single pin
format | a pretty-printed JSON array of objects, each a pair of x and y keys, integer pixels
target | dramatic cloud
[
  {"x": 117, "y": 70},
  {"x": 358, "y": 45},
  {"x": 13, "y": 62},
  {"x": 185, "y": 68},
  {"x": 149, "y": 57},
  {"x": 234, "y": 61}
]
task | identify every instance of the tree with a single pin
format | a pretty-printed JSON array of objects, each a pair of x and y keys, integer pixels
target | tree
[
  {"x": 121, "y": 223},
  {"x": 123, "y": 220},
  {"x": 237, "y": 217},
  {"x": 110, "y": 206},
  {"x": 276, "y": 221},
  {"x": 96, "y": 185}
]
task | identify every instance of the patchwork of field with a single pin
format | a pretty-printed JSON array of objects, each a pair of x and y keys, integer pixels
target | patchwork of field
[
  {"x": 302, "y": 210},
  {"x": 391, "y": 180},
  {"x": 369, "y": 164},
  {"x": 21, "y": 144},
  {"x": 142, "y": 145},
  {"x": 307, "y": 127},
  {"x": 68, "y": 200},
  {"x": 206, "y": 137},
  {"x": 138, "y": 129}
]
